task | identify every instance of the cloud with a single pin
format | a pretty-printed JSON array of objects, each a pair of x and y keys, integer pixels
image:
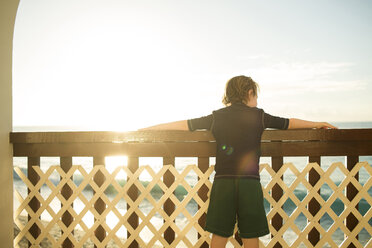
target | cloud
[
  {"x": 253, "y": 57},
  {"x": 297, "y": 77}
]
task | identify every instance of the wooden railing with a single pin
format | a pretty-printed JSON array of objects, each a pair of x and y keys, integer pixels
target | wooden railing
[{"x": 276, "y": 144}]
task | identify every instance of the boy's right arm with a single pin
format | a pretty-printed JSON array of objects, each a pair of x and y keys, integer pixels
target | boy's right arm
[{"x": 298, "y": 124}]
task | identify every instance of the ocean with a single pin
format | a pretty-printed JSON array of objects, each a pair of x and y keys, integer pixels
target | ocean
[{"x": 180, "y": 163}]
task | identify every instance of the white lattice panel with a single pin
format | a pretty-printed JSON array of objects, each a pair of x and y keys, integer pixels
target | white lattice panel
[{"x": 182, "y": 235}]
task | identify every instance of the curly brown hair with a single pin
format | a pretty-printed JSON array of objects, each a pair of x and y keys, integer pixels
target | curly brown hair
[{"x": 236, "y": 90}]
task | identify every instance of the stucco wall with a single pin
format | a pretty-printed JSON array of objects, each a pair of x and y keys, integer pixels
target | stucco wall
[{"x": 8, "y": 10}]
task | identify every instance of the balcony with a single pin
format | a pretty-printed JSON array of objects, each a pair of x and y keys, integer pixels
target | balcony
[{"x": 311, "y": 200}]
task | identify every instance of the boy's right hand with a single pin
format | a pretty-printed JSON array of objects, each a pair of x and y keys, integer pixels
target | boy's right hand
[{"x": 325, "y": 125}]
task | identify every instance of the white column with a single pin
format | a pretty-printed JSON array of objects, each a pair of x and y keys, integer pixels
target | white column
[{"x": 8, "y": 10}]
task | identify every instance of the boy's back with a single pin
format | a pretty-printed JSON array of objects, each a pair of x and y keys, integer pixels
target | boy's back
[{"x": 238, "y": 129}]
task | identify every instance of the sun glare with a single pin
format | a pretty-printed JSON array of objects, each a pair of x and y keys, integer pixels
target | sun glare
[{"x": 112, "y": 162}]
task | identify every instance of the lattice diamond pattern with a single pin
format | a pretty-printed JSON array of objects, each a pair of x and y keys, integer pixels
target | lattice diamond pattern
[
  {"x": 312, "y": 192},
  {"x": 121, "y": 192}
]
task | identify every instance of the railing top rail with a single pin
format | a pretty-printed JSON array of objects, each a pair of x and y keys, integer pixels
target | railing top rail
[{"x": 152, "y": 136}]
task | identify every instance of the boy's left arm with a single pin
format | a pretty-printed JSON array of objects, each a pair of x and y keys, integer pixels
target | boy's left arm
[{"x": 176, "y": 125}]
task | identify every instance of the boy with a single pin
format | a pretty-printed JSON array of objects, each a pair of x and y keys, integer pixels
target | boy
[{"x": 236, "y": 193}]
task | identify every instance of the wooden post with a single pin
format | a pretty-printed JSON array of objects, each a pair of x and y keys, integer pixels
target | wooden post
[
  {"x": 351, "y": 192},
  {"x": 34, "y": 203},
  {"x": 99, "y": 205},
  {"x": 133, "y": 163},
  {"x": 277, "y": 193},
  {"x": 314, "y": 206},
  {"x": 169, "y": 206},
  {"x": 203, "y": 164},
  {"x": 66, "y": 192}
]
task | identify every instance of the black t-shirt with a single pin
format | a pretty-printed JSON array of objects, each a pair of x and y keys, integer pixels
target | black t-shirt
[{"x": 238, "y": 129}]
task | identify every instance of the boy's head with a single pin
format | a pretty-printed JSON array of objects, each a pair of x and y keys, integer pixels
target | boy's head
[{"x": 237, "y": 89}]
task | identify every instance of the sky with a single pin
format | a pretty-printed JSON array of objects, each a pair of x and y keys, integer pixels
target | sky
[{"x": 125, "y": 65}]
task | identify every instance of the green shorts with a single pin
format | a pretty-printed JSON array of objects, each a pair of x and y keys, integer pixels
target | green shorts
[{"x": 237, "y": 199}]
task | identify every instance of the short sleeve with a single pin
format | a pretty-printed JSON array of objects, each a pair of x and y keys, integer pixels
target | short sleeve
[
  {"x": 269, "y": 121},
  {"x": 204, "y": 122}
]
